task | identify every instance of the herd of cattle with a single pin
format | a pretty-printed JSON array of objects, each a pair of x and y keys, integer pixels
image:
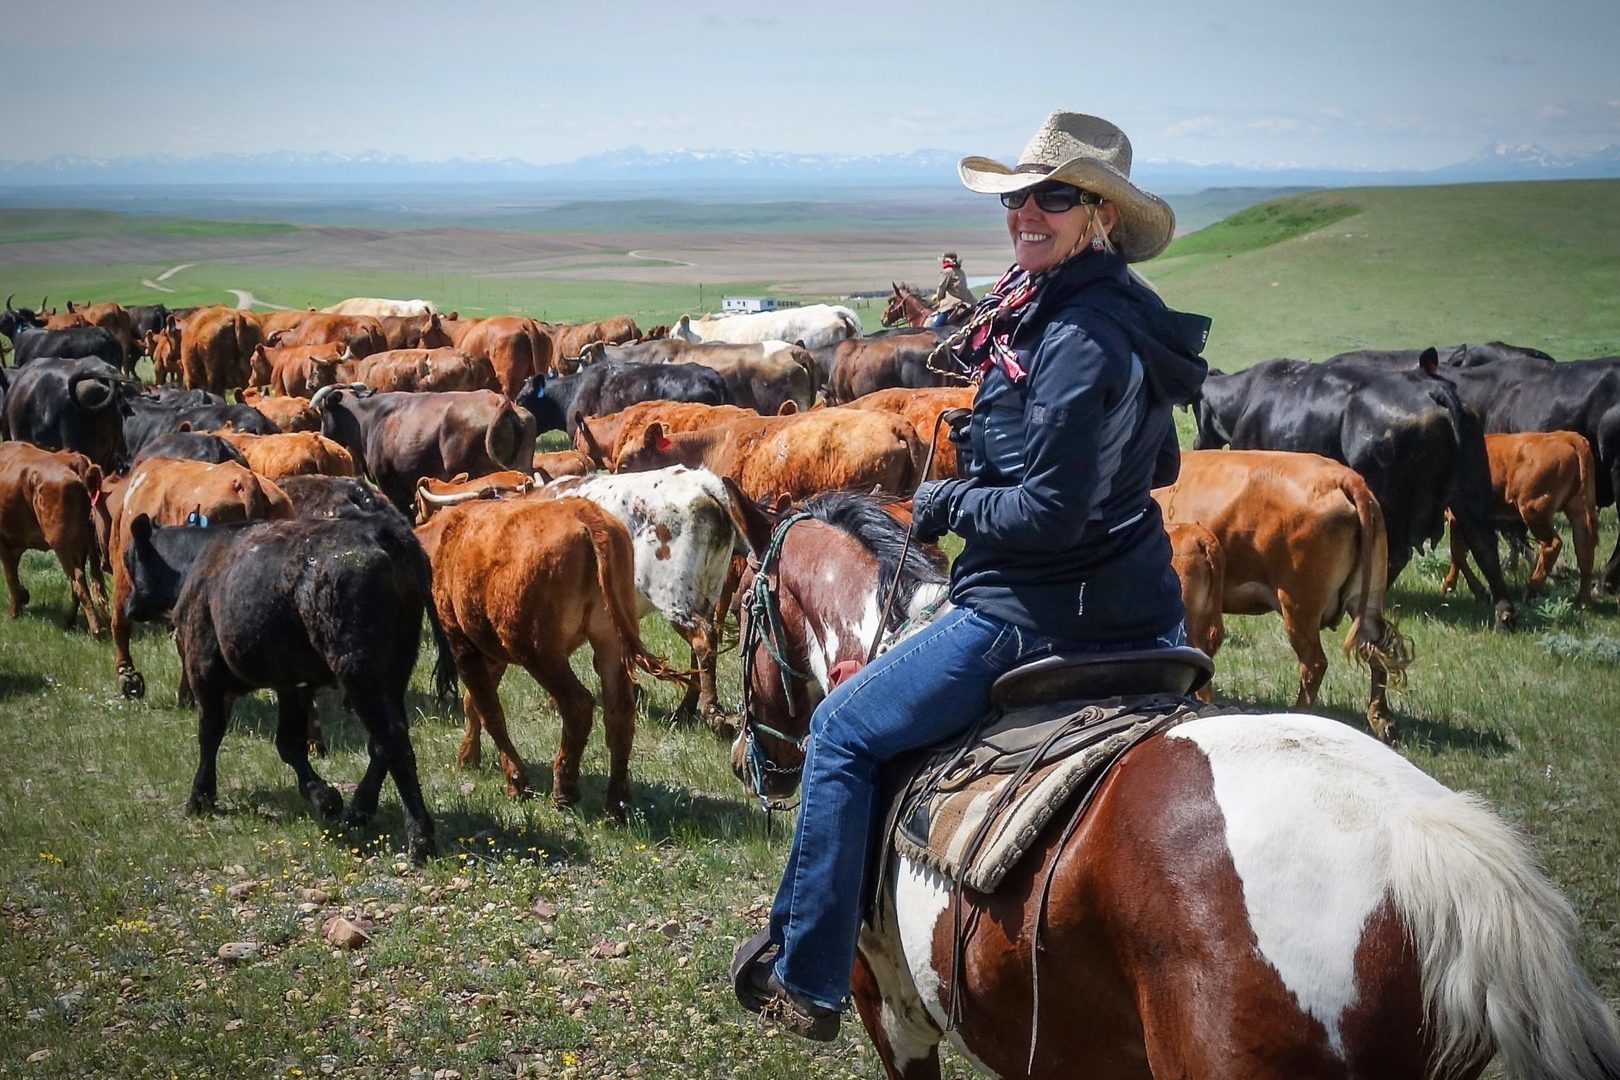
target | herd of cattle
[{"x": 378, "y": 465}]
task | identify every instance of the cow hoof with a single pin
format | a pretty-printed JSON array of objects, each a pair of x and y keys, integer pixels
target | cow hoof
[
  {"x": 199, "y": 805},
  {"x": 353, "y": 819},
  {"x": 421, "y": 849},
  {"x": 1504, "y": 616},
  {"x": 327, "y": 802},
  {"x": 1384, "y": 730},
  {"x": 132, "y": 684}
]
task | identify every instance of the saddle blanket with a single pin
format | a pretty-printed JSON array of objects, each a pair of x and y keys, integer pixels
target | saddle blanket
[{"x": 972, "y": 810}]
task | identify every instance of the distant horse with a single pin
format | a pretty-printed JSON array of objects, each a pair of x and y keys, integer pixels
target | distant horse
[
  {"x": 906, "y": 306},
  {"x": 1256, "y": 896}
]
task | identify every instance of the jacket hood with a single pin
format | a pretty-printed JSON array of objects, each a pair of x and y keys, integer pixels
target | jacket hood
[{"x": 1169, "y": 342}]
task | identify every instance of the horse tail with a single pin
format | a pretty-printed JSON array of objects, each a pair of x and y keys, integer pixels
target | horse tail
[{"x": 1496, "y": 945}]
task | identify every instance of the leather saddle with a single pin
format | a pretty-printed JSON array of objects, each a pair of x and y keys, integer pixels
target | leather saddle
[
  {"x": 1180, "y": 670},
  {"x": 970, "y": 807}
]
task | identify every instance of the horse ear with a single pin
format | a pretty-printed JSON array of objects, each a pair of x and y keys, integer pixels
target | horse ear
[{"x": 752, "y": 524}]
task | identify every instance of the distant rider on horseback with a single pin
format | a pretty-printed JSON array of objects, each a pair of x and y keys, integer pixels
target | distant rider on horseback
[{"x": 953, "y": 299}]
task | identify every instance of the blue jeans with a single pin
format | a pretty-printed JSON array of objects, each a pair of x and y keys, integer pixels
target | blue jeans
[{"x": 931, "y": 686}]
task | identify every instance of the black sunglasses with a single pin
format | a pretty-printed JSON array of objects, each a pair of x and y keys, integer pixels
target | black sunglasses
[{"x": 1054, "y": 198}]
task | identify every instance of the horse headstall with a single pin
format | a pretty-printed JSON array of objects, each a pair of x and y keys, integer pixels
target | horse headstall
[{"x": 762, "y": 625}]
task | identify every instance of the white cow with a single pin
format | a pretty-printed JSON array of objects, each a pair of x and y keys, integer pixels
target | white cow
[
  {"x": 377, "y": 308},
  {"x": 681, "y": 529},
  {"x": 814, "y": 325}
]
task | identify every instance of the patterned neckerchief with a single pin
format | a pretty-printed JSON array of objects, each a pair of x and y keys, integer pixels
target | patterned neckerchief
[{"x": 985, "y": 341}]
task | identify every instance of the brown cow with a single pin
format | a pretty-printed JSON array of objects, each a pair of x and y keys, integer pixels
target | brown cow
[
  {"x": 303, "y": 453},
  {"x": 920, "y": 409},
  {"x": 433, "y": 495},
  {"x": 515, "y": 346},
  {"x": 862, "y": 365},
  {"x": 568, "y": 339},
  {"x": 287, "y": 413},
  {"x": 45, "y": 505},
  {"x": 1536, "y": 475},
  {"x": 1303, "y": 536},
  {"x": 359, "y": 335},
  {"x": 1200, "y": 564},
  {"x": 421, "y": 370},
  {"x": 414, "y": 331},
  {"x": 794, "y": 456},
  {"x": 167, "y": 490},
  {"x": 215, "y": 346},
  {"x": 555, "y": 463},
  {"x": 114, "y": 319},
  {"x": 295, "y": 370},
  {"x": 603, "y": 438},
  {"x": 528, "y": 583},
  {"x": 163, "y": 346}
]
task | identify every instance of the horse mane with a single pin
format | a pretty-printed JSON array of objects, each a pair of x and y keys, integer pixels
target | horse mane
[{"x": 863, "y": 518}]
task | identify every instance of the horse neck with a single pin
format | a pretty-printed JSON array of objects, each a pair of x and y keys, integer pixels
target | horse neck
[
  {"x": 834, "y": 583},
  {"x": 916, "y": 311}
]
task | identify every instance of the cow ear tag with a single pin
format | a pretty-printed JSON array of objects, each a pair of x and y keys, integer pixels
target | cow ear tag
[{"x": 197, "y": 518}]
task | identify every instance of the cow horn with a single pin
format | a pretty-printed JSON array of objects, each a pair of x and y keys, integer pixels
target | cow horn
[
  {"x": 347, "y": 356},
  {"x": 459, "y": 497},
  {"x": 9, "y": 308},
  {"x": 318, "y": 399}
]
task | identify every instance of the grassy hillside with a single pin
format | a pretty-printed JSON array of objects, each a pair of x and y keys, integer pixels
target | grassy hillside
[{"x": 1314, "y": 274}]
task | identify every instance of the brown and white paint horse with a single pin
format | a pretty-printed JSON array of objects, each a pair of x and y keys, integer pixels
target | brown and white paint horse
[{"x": 1254, "y": 896}]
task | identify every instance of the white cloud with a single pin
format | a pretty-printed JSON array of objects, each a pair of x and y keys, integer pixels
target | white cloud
[
  {"x": 1275, "y": 125},
  {"x": 1198, "y": 125}
]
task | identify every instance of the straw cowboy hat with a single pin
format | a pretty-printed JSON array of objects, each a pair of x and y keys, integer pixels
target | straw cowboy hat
[{"x": 1090, "y": 153}]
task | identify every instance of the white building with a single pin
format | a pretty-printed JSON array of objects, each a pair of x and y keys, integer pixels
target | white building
[{"x": 749, "y": 304}]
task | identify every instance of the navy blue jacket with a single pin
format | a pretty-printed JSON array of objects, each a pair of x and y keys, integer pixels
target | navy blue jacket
[{"x": 1061, "y": 534}]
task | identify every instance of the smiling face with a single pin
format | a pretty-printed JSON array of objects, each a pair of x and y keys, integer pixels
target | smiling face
[{"x": 1042, "y": 240}]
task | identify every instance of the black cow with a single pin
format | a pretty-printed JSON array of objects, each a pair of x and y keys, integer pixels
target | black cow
[
  {"x": 190, "y": 446},
  {"x": 317, "y": 496},
  {"x": 31, "y": 341},
  {"x": 1404, "y": 430},
  {"x": 1514, "y": 389},
  {"x": 612, "y": 385},
  {"x": 291, "y": 604},
  {"x": 400, "y": 438},
  {"x": 70, "y": 404},
  {"x": 146, "y": 319},
  {"x": 150, "y": 417}
]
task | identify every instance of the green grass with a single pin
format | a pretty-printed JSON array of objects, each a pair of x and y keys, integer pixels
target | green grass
[
  {"x": 1531, "y": 263},
  {"x": 113, "y": 903},
  {"x": 26, "y": 226}
]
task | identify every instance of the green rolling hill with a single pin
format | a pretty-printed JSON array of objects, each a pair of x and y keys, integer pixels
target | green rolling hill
[{"x": 1313, "y": 274}]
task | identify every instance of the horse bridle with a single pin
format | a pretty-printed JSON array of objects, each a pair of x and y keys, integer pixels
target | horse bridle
[{"x": 764, "y": 627}]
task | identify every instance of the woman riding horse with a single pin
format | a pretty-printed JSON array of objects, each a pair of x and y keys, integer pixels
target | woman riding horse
[{"x": 1064, "y": 549}]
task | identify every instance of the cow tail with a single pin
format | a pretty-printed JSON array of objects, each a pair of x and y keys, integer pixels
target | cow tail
[
  {"x": 503, "y": 440},
  {"x": 1374, "y": 639},
  {"x": 1213, "y": 556},
  {"x": 444, "y": 664},
  {"x": 91, "y": 478},
  {"x": 1587, "y": 482},
  {"x": 615, "y": 569}
]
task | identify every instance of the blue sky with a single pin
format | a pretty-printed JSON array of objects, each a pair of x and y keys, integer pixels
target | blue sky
[{"x": 1262, "y": 82}]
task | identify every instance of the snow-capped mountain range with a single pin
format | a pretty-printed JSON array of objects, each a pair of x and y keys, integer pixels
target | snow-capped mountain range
[{"x": 1500, "y": 162}]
